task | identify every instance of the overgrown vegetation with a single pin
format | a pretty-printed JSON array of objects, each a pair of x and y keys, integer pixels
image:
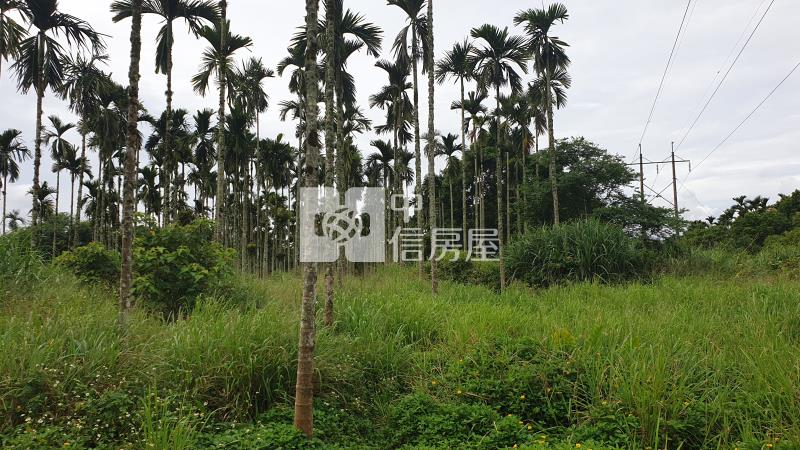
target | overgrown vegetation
[
  {"x": 92, "y": 263},
  {"x": 174, "y": 265},
  {"x": 579, "y": 364},
  {"x": 577, "y": 251}
]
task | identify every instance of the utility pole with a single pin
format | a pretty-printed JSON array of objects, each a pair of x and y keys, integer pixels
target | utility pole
[
  {"x": 674, "y": 183},
  {"x": 674, "y": 162},
  {"x": 641, "y": 173}
]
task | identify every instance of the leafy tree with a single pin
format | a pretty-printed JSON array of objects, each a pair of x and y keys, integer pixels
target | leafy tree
[{"x": 590, "y": 179}]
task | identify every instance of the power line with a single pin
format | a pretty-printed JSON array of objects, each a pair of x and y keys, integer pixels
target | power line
[
  {"x": 730, "y": 68},
  {"x": 713, "y": 81},
  {"x": 664, "y": 76},
  {"x": 771, "y": 93}
]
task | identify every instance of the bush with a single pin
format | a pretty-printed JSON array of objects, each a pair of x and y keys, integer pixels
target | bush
[
  {"x": 177, "y": 264},
  {"x": 92, "y": 263},
  {"x": 483, "y": 273},
  {"x": 59, "y": 227},
  {"x": 750, "y": 231},
  {"x": 578, "y": 251}
]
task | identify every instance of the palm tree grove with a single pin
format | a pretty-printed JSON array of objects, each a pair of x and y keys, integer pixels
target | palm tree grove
[{"x": 399, "y": 224}]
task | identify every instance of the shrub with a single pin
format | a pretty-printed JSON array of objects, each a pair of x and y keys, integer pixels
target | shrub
[
  {"x": 177, "y": 264},
  {"x": 782, "y": 252},
  {"x": 58, "y": 227},
  {"x": 750, "y": 231},
  {"x": 92, "y": 263},
  {"x": 578, "y": 251},
  {"x": 483, "y": 273}
]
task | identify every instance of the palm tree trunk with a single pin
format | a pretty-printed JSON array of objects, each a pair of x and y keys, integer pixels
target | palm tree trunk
[
  {"x": 167, "y": 197},
  {"x": 396, "y": 167},
  {"x": 55, "y": 215},
  {"x": 98, "y": 201},
  {"x": 475, "y": 193},
  {"x": 463, "y": 170},
  {"x": 481, "y": 188},
  {"x": 80, "y": 189},
  {"x": 508, "y": 198},
  {"x": 245, "y": 225},
  {"x": 551, "y": 137},
  {"x": 452, "y": 216},
  {"x": 431, "y": 143},
  {"x": 219, "y": 207},
  {"x": 517, "y": 200},
  {"x": 499, "y": 178},
  {"x": 330, "y": 18},
  {"x": 71, "y": 206},
  {"x": 168, "y": 140},
  {"x": 5, "y": 196},
  {"x": 132, "y": 145},
  {"x": 37, "y": 158},
  {"x": 342, "y": 163},
  {"x": 524, "y": 209},
  {"x": 304, "y": 389},
  {"x": 417, "y": 140}
]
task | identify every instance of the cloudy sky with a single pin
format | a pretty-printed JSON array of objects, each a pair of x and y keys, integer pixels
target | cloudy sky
[{"x": 619, "y": 51}]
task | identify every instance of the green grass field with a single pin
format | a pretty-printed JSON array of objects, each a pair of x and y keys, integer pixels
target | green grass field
[{"x": 689, "y": 362}]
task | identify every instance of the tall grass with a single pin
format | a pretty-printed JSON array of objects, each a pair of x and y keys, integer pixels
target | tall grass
[
  {"x": 699, "y": 360},
  {"x": 577, "y": 251}
]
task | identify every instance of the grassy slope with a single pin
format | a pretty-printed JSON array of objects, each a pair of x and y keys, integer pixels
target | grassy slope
[{"x": 728, "y": 346}]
